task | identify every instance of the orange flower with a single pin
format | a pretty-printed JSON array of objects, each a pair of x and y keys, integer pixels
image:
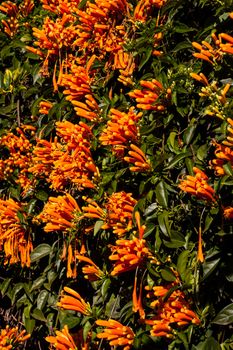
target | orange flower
[
  {"x": 11, "y": 338},
  {"x": 170, "y": 312},
  {"x": 129, "y": 254},
  {"x": 120, "y": 206},
  {"x": 147, "y": 97},
  {"x": 91, "y": 271},
  {"x": 144, "y": 8},
  {"x": 68, "y": 161},
  {"x": 198, "y": 186},
  {"x": 93, "y": 210},
  {"x": 13, "y": 239},
  {"x": 116, "y": 333},
  {"x": 77, "y": 88},
  {"x": 73, "y": 301},
  {"x": 74, "y": 135},
  {"x": 62, "y": 341},
  {"x": 26, "y": 7},
  {"x": 228, "y": 213},
  {"x": 224, "y": 155},
  {"x": 200, "y": 77},
  {"x": 19, "y": 159},
  {"x": 121, "y": 128},
  {"x": 138, "y": 158},
  {"x": 44, "y": 107},
  {"x": 211, "y": 53},
  {"x": 125, "y": 63},
  {"x": 60, "y": 213}
]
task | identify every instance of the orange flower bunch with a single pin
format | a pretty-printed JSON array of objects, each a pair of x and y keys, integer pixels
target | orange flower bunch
[
  {"x": 91, "y": 271},
  {"x": 144, "y": 7},
  {"x": 68, "y": 161},
  {"x": 98, "y": 27},
  {"x": 117, "y": 213},
  {"x": 44, "y": 155},
  {"x": 60, "y": 6},
  {"x": 11, "y": 338},
  {"x": 212, "y": 54},
  {"x": 26, "y": 7},
  {"x": 62, "y": 341},
  {"x": 116, "y": 333},
  {"x": 77, "y": 85},
  {"x": 121, "y": 128},
  {"x": 229, "y": 141},
  {"x": 173, "y": 312},
  {"x": 198, "y": 186},
  {"x": 44, "y": 107},
  {"x": 74, "y": 135},
  {"x": 19, "y": 159},
  {"x": 228, "y": 213},
  {"x": 14, "y": 12},
  {"x": 53, "y": 37},
  {"x": 60, "y": 213},
  {"x": 147, "y": 98},
  {"x": 216, "y": 96},
  {"x": 73, "y": 301},
  {"x": 14, "y": 241},
  {"x": 129, "y": 254},
  {"x": 224, "y": 155},
  {"x": 139, "y": 159},
  {"x": 124, "y": 61},
  {"x": 119, "y": 207},
  {"x": 93, "y": 210},
  {"x": 11, "y": 24}
]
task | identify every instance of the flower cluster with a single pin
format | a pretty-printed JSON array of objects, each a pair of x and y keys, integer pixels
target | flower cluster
[
  {"x": 14, "y": 240},
  {"x": 121, "y": 129},
  {"x": 17, "y": 158},
  {"x": 117, "y": 213},
  {"x": 60, "y": 213},
  {"x": 73, "y": 301},
  {"x": 63, "y": 340},
  {"x": 128, "y": 254},
  {"x": 11, "y": 338},
  {"x": 170, "y": 312},
  {"x": 116, "y": 333},
  {"x": 224, "y": 155},
  {"x": 148, "y": 98},
  {"x": 68, "y": 161},
  {"x": 223, "y": 43},
  {"x": 198, "y": 186},
  {"x": 139, "y": 160},
  {"x": 216, "y": 96}
]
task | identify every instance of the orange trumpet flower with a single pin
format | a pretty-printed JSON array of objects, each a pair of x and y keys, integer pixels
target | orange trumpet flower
[
  {"x": 60, "y": 213},
  {"x": 62, "y": 341},
  {"x": 138, "y": 158},
  {"x": 116, "y": 333},
  {"x": 198, "y": 186},
  {"x": 73, "y": 301},
  {"x": 11, "y": 338}
]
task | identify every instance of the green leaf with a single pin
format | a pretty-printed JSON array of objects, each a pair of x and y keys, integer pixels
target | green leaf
[
  {"x": 177, "y": 159},
  {"x": 4, "y": 286},
  {"x": 40, "y": 252},
  {"x": 189, "y": 133},
  {"x": 29, "y": 324},
  {"x": 164, "y": 223},
  {"x": 225, "y": 316},
  {"x": 38, "y": 315},
  {"x": 38, "y": 283},
  {"x": 42, "y": 195},
  {"x": 161, "y": 194},
  {"x": 168, "y": 275},
  {"x": 97, "y": 226}
]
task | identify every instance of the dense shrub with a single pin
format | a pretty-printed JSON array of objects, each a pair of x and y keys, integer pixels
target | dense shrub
[{"x": 116, "y": 165}]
